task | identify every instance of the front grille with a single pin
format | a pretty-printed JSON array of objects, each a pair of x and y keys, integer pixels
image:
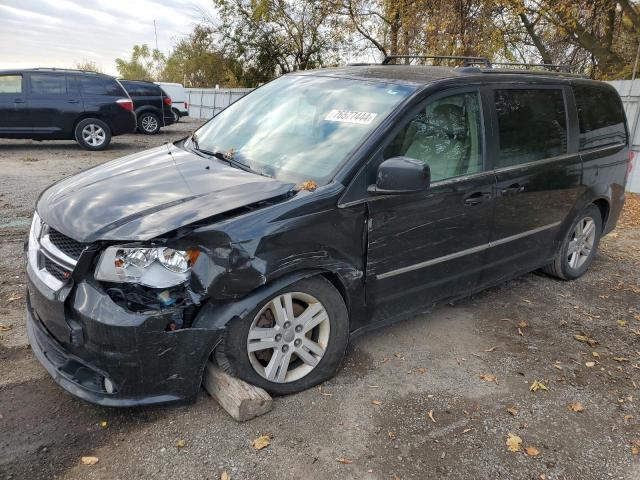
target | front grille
[
  {"x": 66, "y": 245},
  {"x": 56, "y": 270}
]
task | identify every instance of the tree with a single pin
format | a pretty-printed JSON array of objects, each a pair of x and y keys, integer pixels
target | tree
[
  {"x": 195, "y": 62},
  {"x": 88, "y": 65},
  {"x": 144, "y": 64},
  {"x": 271, "y": 37}
]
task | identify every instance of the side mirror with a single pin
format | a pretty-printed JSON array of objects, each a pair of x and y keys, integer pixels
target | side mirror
[{"x": 401, "y": 175}]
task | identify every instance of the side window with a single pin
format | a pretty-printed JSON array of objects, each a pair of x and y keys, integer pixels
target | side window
[
  {"x": 600, "y": 115},
  {"x": 113, "y": 88},
  {"x": 10, "y": 84},
  {"x": 531, "y": 125},
  {"x": 48, "y": 84},
  {"x": 446, "y": 135},
  {"x": 91, "y": 85}
]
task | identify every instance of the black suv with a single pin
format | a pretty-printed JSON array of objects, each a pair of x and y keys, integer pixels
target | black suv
[
  {"x": 321, "y": 205},
  {"x": 151, "y": 104},
  {"x": 54, "y": 104}
]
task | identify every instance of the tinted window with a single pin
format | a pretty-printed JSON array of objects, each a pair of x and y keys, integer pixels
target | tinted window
[
  {"x": 446, "y": 135},
  {"x": 531, "y": 125},
  {"x": 600, "y": 115},
  {"x": 48, "y": 84},
  {"x": 132, "y": 88},
  {"x": 113, "y": 87},
  {"x": 149, "y": 90},
  {"x": 10, "y": 83},
  {"x": 91, "y": 85}
]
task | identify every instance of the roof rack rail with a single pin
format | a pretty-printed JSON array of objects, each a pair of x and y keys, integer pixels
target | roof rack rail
[
  {"x": 467, "y": 61},
  {"x": 532, "y": 66},
  {"x": 57, "y": 69}
]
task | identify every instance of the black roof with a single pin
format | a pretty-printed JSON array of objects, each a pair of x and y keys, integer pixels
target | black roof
[{"x": 51, "y": 70}]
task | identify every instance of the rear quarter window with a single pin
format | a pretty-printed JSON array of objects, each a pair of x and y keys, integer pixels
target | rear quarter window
[
  {"x": 600, "y": 116},
  {"x": 113, "y": 87},
  {"x": 91, "y": 85}
]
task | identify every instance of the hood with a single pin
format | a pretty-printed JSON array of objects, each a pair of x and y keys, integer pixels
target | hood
[{"x": 144, "y": 195}]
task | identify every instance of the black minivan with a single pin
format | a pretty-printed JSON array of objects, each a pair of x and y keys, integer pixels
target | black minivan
[
  {"x": 151, "y": 104},
  {"x": 59, "y": 104},
  {"x": 321, "y": 205}
]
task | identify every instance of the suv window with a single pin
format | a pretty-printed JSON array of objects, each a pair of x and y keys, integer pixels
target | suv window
[
  {"x": 113, "y": 87},
  {"x": 446, "y": 135},
  {"x": 10, "y": 83},
  {"x": 48, "y": 84},
  {"x": 91, "y": 85},
  {"x": 531, "y": 125},
  {"x": 600, "y": 115}
]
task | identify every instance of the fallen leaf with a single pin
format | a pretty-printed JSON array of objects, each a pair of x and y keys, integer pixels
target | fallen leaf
[
  {"x": 89, "y": 460},
  {"x": 467, "y": 430},
  {"x": 532, "y": 451},
  {"x": 620, "y": 359},
  {"x": 536, "y": 385},
  {"x": 576, "y": 407},
  {"x": 585, "y": 339},
  {"x": 513, "y": 442},
  {"x": 5, "y": 327},
  {"x": 490, "y": 349},
  {"x": 399, "y": 355},
  {"x": 344, "y": 461},
  {"x": 628, "y": 417},
  {"x": 181, "y": 443},
  {"x": 260, "y": 442},
  {"x": 14, "y": 297},
  {"x": 622, "y": 323},
  {"x": 104, "y": 424},
  {"x": 309, "y": 185},
  {"x": 595, "y": 354},
  {"x": 225, "y": 476},
  {"x": 430, "y": 414},
  {"x": 376, "y": 402},
  {"x": 635, "y": 447},
  {"x": 512, "y": 410},
  {"x": 385, "y": 360},
  {"x": 392, "y": 435},
  {"x": 487, "y": 377},
  {"x": 421, "y": 370},
  {"x": 590, "y": 364},
  {"x": 324, "y": 394},
  {"x": 523, "y": 324}
]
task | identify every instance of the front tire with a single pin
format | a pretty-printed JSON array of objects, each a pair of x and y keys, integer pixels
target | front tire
[
  {"x": 93, "y": 134},
  {"x": 149, "y": 123},
  {"x": 579, "y": 246},
  {"x": 290, "y": 342}
]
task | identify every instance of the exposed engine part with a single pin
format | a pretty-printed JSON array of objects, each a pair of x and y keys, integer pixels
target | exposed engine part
[{"x": 138, "y": 298}]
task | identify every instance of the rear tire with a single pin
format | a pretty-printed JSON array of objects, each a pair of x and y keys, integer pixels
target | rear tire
[
  {"x": 176, "y": 115},
  {"x": 579, "y": 246},
  {"x": 92, "y": 134},
  {"x": 290, "y": 358},
  {"x": 149, "y": 123}
]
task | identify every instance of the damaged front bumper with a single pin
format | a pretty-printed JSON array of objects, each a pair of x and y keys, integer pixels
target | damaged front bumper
[{"x": 98, "y": 351}]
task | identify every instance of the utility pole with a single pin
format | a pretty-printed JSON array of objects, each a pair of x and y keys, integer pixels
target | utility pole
[{"x": 155, "y": 31}]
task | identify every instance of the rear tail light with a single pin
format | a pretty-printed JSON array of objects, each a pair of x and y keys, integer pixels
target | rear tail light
[
  {"x": 167, "y": 101},
  {"x": 125, "y": 103},
  {"x": 186, "y": 105}
]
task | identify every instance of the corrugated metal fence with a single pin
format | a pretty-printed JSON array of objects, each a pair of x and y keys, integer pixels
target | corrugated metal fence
[
  {"x": 630, "y": 95},
  {"x": 207, "y": 102}
]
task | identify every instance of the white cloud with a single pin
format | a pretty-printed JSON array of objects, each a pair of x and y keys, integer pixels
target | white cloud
[{"x": 59, "y": 33}]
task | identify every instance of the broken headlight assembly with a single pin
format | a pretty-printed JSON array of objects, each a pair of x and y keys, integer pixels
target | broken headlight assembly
[{"x": 155, "y": 267}]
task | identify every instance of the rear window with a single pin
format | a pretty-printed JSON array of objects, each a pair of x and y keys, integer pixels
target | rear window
[
  {"x": 10, "y": 83},
  {"x": 48, "y": 84},
  {"x": 600, "y": 115},
  {"x": 91, "y": 85},
  {"x": 531, "y": 125}
]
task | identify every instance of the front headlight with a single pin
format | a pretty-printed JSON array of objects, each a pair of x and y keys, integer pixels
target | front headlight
[{"x": 156, "y": 267}]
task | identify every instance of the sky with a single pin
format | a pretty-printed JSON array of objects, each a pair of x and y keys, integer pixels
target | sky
[{"x": 60, "y": 33}]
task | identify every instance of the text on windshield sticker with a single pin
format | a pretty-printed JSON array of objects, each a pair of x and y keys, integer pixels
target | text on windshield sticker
[{"x": 349, "y": 116}]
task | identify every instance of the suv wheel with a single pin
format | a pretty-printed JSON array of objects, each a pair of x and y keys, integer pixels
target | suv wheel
[
  {"x": 93, "y": 134},
  {"x": 291, "y": 342},
  {"x": 149, "y": 123},
  {"x": 579, "y": 246},
  {"x": 176, "y": 115}
]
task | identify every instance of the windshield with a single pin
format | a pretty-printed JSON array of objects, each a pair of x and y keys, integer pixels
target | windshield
[{"x": 299, "y": 128}]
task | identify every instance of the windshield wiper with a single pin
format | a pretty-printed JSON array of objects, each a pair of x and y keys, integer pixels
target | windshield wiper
[{"x": 225, "y": 158}]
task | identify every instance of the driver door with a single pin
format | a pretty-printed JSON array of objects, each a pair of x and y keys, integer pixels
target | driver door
[{"x": 427, "y": 246}]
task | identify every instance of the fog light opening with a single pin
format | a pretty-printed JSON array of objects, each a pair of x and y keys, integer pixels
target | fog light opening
[{"x": 108, "y": 386}]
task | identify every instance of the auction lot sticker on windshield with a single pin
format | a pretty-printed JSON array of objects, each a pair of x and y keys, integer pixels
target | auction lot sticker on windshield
[{"x": 350, "y": 116}]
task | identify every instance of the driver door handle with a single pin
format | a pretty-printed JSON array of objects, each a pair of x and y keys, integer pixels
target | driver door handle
[
  {"x": 512, "y": 190},
  {"x": 477, "y": 198}
]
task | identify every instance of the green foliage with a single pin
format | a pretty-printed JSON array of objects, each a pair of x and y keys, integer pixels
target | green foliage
[{"x": 144, "y": 64}]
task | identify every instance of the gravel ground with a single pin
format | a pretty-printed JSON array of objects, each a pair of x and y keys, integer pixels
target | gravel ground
[{"x": 436, "y": 396}]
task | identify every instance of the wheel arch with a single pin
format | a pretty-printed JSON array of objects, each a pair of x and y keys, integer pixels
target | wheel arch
[
  {"x": 604, "y": 206},
  {"x": 87, "y": 115}
]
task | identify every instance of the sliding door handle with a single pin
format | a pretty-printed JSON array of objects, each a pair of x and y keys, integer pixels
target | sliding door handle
[
  {"x": 512, "y": 190},
  {"x": 477, "y": 198}
]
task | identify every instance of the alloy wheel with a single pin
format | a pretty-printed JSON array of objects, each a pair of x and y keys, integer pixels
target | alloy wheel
[
  {"x": 93, "y": 135},
  {"x": 288, "y": 337},
  {"x": 149, "y": 123},
  {"x": 582, "y": 241}
]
